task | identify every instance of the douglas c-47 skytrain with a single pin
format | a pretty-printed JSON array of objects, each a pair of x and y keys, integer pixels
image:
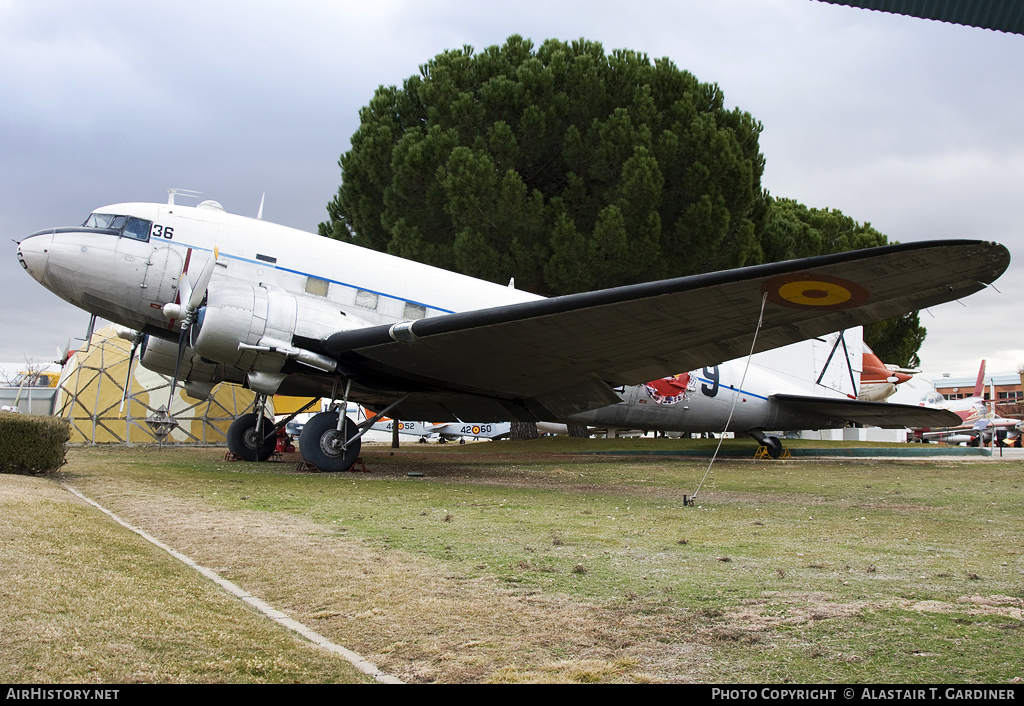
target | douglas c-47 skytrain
[{"x": 215, "y": 297}]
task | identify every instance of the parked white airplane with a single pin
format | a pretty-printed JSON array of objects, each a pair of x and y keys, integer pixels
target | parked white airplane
[
  {"x": 976, "y": 423},
  {"x": 450, "y": 431},
  {"x": 447, "y": 431},
  {"x": 421, "y": 430},
  {"x": 218, "y": 297}
]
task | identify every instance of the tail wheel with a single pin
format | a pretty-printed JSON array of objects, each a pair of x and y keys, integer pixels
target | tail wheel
[
  {"x": 243, "y": 440},
  {"x": 773, "y": 446},
  {"x": 321, "y": 443}
]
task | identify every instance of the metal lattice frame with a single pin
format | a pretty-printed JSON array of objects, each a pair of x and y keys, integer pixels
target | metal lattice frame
[{"x": 90, "y": 392}]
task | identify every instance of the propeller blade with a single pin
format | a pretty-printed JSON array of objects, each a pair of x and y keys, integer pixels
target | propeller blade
[
  {"x": 184, "y": 290},
  {"x": 182, "y": 339},
  {"x": 191, "y": 297},
  {"x": 199, "y": 291},
  {"x": 128, "y": 379}
]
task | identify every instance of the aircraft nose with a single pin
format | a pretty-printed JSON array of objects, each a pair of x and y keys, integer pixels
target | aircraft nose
[{"x": 33, "y": 253}]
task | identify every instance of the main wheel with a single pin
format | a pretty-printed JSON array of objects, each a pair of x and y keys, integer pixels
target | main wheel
[
  {"x": 773, "y": 446},
  {"x": 320, "y": 443},
  {"x": 242, "y": 438}
]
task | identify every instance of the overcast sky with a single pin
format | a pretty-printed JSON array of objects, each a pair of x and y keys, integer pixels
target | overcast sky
[{"x": 912, "y": 125}]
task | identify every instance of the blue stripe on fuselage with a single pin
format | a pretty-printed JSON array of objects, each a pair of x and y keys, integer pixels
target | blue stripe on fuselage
[
  {"x": 261, "y": 263},
  {"x": 727, "y": 387}
]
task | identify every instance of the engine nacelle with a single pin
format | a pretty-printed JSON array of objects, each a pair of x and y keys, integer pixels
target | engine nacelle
[
  {"x": 263, "y": 319},
  {"x": 160, "y": 356}
]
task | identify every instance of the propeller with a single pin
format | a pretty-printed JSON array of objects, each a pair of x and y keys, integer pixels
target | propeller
[
  {"x": 193, "y": 297},
  {"x": 63, "y": 355},
  {"x": 136, "y": 337}
]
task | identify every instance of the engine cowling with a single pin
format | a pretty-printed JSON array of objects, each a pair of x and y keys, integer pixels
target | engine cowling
[
  {"x": 198, "y": 375},
  {"x": 261, "y": 318}
]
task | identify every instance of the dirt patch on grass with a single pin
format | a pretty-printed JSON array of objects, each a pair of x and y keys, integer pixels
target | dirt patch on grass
[
  {"x": 31, "y": 490},
  {"x": 797, "y": 609}
]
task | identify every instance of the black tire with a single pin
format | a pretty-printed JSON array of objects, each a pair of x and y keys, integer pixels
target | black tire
[
  {"x": 773, "y": 446},
  {"x": 242, "y": 438},
  {"x": 320, "y": 443}
]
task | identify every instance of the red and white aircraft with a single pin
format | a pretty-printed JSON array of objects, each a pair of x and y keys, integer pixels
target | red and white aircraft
[
  {"x": 878, "y": 380},
  {"x": 978, "y": 422}
]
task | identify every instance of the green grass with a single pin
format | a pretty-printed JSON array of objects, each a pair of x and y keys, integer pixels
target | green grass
[
  {"x": 85, "y": 600},
  {"x": 877, "y": 571}
]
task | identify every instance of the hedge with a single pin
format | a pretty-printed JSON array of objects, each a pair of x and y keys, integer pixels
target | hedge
[{"x": 32, "y": 444}]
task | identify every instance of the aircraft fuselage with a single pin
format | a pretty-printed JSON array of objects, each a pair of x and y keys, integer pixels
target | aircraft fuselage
[
  {"x": 271, "y": 283},
  {"x": 710, "y": 395}
]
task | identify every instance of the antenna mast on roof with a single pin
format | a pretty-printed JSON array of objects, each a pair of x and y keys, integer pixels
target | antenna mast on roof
[{"x": 183, "y": 192}]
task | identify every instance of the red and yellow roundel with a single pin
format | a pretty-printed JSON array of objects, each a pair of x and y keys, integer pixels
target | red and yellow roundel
[
  {"x": 476, "y": 429},
  {"x": 806, "y": 290}
]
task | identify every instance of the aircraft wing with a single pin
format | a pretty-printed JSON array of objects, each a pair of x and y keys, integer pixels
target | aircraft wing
[
  {"x": 875, "y": 414},
  {"x": 551, "y": 358}
]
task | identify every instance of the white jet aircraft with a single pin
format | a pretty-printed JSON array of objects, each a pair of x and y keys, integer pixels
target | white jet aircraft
[
  {"x": 447, "y": 431},
  {"x": 976, "y": 423},
  {"x": 216, "y": 297}
]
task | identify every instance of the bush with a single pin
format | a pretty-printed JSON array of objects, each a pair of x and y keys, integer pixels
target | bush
[{"x": 32, "y": 444}]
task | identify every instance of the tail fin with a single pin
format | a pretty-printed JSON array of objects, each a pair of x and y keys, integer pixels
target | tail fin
[{"x": 979, "y": 386}]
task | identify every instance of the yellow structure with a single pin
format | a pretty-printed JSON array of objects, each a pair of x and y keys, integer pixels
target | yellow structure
[
  {"x": 90, "y": 389},
  {"x": 762, "y": 454},
  {"x": 284, "y": 404}
]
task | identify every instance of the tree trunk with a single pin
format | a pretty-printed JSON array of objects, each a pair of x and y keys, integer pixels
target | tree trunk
[
  {"x": 578, "y": 431},
  {"x": 523, "y": 431},
  {"x": 394, "y": 433}
]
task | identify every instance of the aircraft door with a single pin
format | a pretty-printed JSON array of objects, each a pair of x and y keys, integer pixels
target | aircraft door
[
  {"x": 165, "y": 261},
  {"x": 161, "y": 283},
  {"x": 132, "y": 264}
]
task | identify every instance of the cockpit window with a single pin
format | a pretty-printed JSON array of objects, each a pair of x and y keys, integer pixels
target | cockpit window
[
  {"x": 100, "y": 220},
  {"x": 128, "y": 226},
  {"x": 137, "y": 228},
  {"x": 933, "y": 398}
]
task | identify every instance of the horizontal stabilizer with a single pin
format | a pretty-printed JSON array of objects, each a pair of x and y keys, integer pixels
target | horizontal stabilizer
[{"x": 874, "y": 414}]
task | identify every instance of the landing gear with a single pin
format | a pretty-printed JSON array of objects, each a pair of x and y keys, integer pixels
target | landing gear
[
  {"x": 773, "y": 446},
  {"x": 321, "y": 443},
  {"x": 244, "y": 440}
]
